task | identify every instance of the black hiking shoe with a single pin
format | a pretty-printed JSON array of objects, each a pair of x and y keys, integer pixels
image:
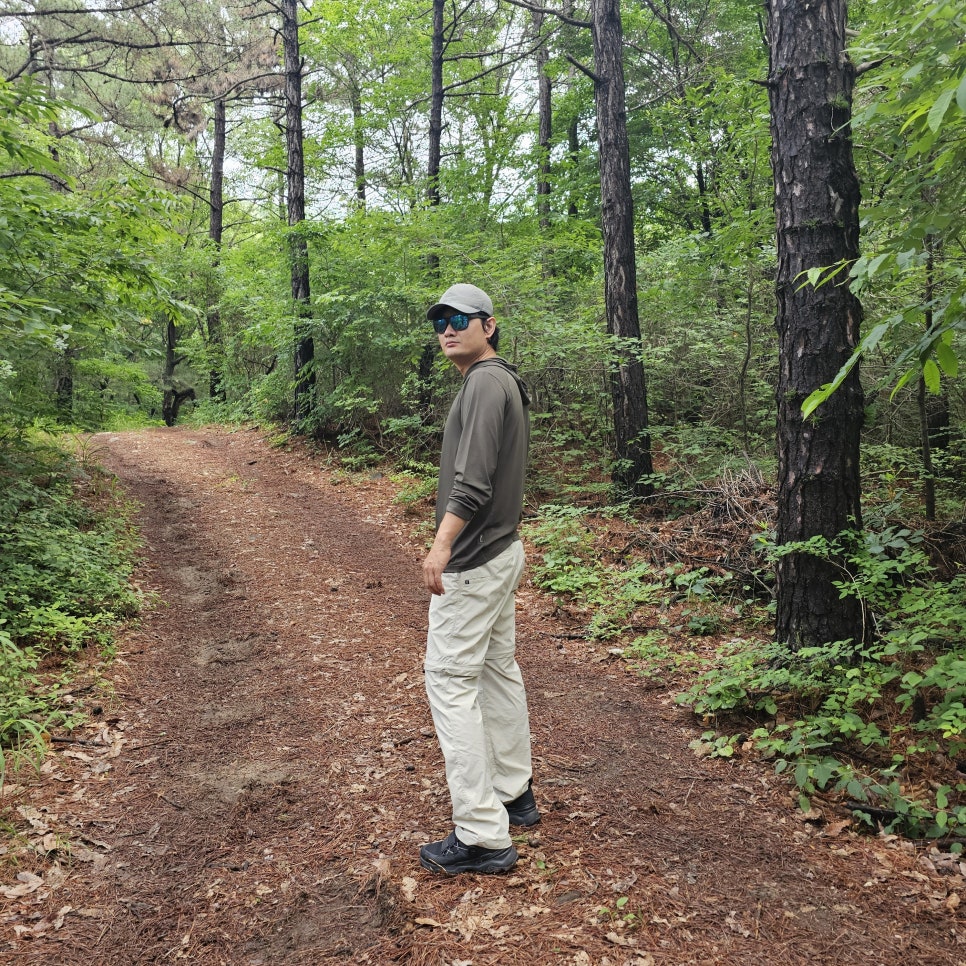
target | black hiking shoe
[
  {"x": 523, "y": 809},
  {"x": 451, "y": 857}
]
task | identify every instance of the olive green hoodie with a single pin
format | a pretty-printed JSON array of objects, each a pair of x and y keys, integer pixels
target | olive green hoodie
[{"x": 484, "y": 462}]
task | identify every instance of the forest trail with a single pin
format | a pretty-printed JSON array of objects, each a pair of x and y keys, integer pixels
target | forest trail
[{"x": 256, "y": 789}]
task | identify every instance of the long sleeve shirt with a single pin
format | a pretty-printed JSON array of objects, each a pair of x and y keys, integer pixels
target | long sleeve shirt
[{"x": 483, "y": 463}]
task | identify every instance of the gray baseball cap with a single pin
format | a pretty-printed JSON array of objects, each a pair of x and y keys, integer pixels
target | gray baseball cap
[{"x": 463, "y": 298}]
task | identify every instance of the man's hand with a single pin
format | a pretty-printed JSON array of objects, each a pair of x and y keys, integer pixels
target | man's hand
[
  {"x": 433, "y": 567},
  {"x": 440, "y": 552}
]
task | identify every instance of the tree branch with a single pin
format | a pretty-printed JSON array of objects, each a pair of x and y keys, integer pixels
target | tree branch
[
  {"x": 73, "y": 12},
  {"x": 671, "y": 29},
  {"x": 559, "y": 14},
  {"x": 869, "y": 65},
  {"x": 36, "y": 174},
  {"x": 583, "y": 68}
]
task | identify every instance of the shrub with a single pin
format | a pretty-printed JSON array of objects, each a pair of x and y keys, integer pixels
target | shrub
[
  {"x": 856, "y": 722},
  {"x": 66, "y": 555}
]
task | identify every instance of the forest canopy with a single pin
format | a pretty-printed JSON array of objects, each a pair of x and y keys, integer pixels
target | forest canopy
[{"x": 129, "y": 126}]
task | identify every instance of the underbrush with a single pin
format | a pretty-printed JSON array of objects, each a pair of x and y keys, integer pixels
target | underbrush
[
  {"x": 66, "y": 555},
  {"x": 879, "y": 729},
  {"x": 611, "y": 570}
]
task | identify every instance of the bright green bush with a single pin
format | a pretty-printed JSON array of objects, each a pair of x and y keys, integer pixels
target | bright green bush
[{"x": 65, "y": 563}]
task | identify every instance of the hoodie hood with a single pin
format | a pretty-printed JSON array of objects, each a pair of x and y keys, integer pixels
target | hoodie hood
[{"x": 512, "y": 370}]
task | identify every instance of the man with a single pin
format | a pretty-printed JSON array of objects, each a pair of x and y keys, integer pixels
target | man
[{"x": 473, "y": 682}]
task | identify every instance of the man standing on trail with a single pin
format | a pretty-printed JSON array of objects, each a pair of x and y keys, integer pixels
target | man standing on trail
[{"x": 473, "y": 682}]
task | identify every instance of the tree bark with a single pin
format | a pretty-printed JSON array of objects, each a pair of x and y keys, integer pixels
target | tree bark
[
  {"x": 174, "y": 394},
  {"x": 545, "y": 124},
  {"x": 295, "y": 205},
  {"x": 433, "y": 164},
  {"x": 816, "y": 207},
  {"x": 628, "y": 390},
  {"x": 64, "y": 383},
  {"x": 436, "y": 96},
  {"x": 216, "y": 389},
  {"x": 359, "y": 141},
  {"x": 573, "y": 153}
]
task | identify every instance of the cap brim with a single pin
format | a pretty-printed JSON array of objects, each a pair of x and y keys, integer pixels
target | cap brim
[{"x": 435, "y": 311}]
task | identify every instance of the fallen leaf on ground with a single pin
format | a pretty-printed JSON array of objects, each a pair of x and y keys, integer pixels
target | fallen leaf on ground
[{"x": 28, "y": 883}]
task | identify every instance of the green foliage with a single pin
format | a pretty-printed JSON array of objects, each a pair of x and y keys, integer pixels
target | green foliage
[
  {"x": 78, "y": 276},
  {"x": 913, "y": 117},
  {"x": 567, "y": 563},
  {"x": 418, "y": 485},
  {"x": 621, "y": 913},
  {"x": 850, "y": 721},
  {"x": 613, "y": 590},
  {"x": 655, "y": 655},
  {"x": 64, "y": 569},
  {"x": 23, "y": 718}
]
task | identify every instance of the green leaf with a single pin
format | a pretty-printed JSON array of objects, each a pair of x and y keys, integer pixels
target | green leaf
[
  {"x": 947, "y": 358},
  {"x": 824, "y": 771},
  {"x": 961, "y": 94},
  {"x": 814, "y": 276},
  {"x": 931, "y": 376},
  {"x": 873, "y": 266},
  {"x": 938, "y": 110},
  {"x": 816, "y": 398}
]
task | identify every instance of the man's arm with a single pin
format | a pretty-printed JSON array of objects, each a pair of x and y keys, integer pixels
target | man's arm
[{"x": 438, "y": 557}]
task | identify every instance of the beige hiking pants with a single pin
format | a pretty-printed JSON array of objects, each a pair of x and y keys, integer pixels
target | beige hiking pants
[{"x": 477, "y": 697}]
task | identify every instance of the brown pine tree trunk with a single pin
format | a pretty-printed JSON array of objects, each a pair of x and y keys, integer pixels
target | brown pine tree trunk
[
  {"x": 358, "y": 137},
  {"x": 295, "y": 205},
  {"x": 433, "y": 163},
  {"x": 215, "y": 228},
  {"x": 628, "y": 390},
  {"x": 816, "y": 207},
  {"x": 435, "y": 105},
  {"x": 545, "y": 124}
]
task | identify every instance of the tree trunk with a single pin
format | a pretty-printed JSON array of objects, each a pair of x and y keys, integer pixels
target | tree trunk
[
  {"x": 64, "y": 383},
  {"x": 573, "y": 143},
  {"x": 816, "y": 207},
  {"x": 433, "y": 162},
  {"x": 174, "y": 395},
  {"x": 435, "y": 106},
  {"x": 573, "y": 153},
  {"x": 215, "y": 228},
  {"x": 545, "y": 124},
  {"x": 171, "y": 403},
  {"x": 633, "y": 464},
  {"x": 295, "y": 205},
  {"x": 359, "y": 140}
]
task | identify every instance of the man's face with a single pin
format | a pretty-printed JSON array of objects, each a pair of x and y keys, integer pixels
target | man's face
[{"x": 468, "y": 345}]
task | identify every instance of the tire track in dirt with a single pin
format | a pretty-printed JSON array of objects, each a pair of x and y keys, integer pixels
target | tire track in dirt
[{"x": 279, "y": 770}]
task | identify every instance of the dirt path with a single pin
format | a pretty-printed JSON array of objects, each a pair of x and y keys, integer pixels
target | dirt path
[{"x": 256, "y": 789}]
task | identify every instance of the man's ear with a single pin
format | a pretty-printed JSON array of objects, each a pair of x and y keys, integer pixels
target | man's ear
[{"x": 489, "y": 325}]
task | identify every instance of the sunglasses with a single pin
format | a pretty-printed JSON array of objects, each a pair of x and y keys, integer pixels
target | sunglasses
[{"x": 457, "y": 320}]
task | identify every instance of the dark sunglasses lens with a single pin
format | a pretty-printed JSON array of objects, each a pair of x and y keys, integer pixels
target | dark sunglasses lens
[{"x": 458, "y": 321}]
